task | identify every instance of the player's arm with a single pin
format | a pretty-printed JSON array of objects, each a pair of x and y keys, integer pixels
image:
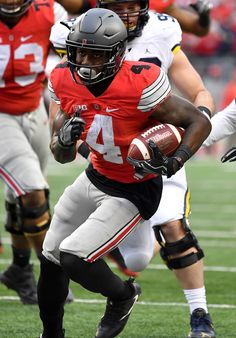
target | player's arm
[
  {"x": 223, "y": 124},
  {"x": 182, "y": 113},
  {"x": 189, "y": 82},
  {"x": 65, "y": 134},
  {"x": 179, "y": 112},
  {"x": 74, "y": 7},
  {"x": 197, "y": 21}
]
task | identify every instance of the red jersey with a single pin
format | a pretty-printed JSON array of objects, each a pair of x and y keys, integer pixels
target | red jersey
[
  {"x": 155, "y": 5},
  {"x": 92, "y": 3},
  {"x": 23, "y": 54},
  {"x": 160, "y": 5},
  {"x": 115, "y": 117}
]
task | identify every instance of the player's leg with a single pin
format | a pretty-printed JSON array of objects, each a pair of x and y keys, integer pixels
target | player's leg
[
  {"x": 137, "y": 249},
  {"x": 39, "y": 140},
  {"x": 27, "y": 221},
  {"x": 116, "y": 257},
  {"x": 53, "y": 282},
  {"x": 135, "y": 252},
  {"x": 180, "y": 248},
  {"x": 99, "y": 229},
  {"x": 27, "y": 197}
]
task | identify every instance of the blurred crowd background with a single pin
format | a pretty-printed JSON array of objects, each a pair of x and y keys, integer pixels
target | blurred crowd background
[{"x": 214, "y": 56}]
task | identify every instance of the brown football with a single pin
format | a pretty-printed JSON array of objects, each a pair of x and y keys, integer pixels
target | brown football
[{"x": 166, "y": 136}]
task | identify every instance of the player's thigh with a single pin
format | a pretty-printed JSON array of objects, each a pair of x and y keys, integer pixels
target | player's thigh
[
  {"x": 71, "y": 210},
  {"x": 39, "y": 135},
  {"x": 111, "y": 222},
  {"x": 19, "y": 164},
  {"x": 174, "y": 203}
]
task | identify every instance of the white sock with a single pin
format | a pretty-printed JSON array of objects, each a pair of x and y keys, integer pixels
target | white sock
[{"x": 196, "y": 298}]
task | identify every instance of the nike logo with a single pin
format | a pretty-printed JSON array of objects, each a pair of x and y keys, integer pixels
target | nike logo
[
  {"x": 109, "y": 110},
  {"x": 147, "y": 51},
  {"x": 128, "y": 313},
  {"x": 25, "y": 38}
]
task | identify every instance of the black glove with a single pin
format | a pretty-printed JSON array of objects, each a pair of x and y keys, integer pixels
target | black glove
[
  {"x": 71, "y": 131},
  {"x": 159, "y": 164},
  {"x": 203, "y": 8},
  {"x": 229, "y": 156}
]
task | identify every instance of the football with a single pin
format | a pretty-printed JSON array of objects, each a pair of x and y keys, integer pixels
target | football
[{"x": 166, "y": 136}]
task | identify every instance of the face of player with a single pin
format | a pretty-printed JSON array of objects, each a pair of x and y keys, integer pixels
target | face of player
[
  {"x": 128, "y": 12},
  {"x": 11, "y": 6},
  {"x": 11, "y": 11},
  {"x": 91, "y": 62}
]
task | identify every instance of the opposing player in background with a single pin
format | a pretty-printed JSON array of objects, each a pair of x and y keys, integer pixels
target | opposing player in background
[
  {"x": 156, "y": 38},
  {"x": 105, "y": 202},
  {"x": 194, "y": 19},
  {"x": 25, "y": 27}
]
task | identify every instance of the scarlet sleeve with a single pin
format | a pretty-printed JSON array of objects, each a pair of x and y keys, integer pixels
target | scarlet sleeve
[{"x": 160, "y": 5}]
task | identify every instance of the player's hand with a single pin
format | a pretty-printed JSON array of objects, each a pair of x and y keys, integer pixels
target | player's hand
[
  {"x": 229, "y": 156},
  {"x": 203, "y": 8},
  {"x": 158, "y": 164},
  {"x": 71, "y": 131}
]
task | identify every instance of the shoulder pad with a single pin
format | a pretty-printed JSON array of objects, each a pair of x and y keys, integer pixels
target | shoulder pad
[
  {"x": 165, "y": 28},
  {"x": 59, "y": 33},
  {"x": 68, "y": 23}
]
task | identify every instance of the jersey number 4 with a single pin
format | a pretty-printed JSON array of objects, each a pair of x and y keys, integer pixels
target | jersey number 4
[
  {"x": 102, "y": 126},
  {"x": 20, "y": 53}
]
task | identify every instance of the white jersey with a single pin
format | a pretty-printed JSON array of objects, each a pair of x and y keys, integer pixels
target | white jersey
[
  {"x": 159, "y": 41},
  {"x": 60, "y": 14},
  {"x": 223, "y": 124}
]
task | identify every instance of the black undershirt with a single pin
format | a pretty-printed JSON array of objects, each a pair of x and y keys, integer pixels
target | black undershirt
[{"x": 145, "y": 195}]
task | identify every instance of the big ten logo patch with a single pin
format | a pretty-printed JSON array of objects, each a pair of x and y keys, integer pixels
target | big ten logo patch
[{"x": 80, "y": 107}]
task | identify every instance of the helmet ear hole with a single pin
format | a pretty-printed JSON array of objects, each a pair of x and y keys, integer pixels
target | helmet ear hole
[{"x": 97, "y": 30}]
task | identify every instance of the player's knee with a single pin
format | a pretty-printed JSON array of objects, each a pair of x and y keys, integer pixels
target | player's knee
[
  {"x": 173, "y": 230},
  {"x": 33, "y": 213},
  {"x": 73, "y": 265},
  {"x": 180, "y": 253},
  {"x": 11, "y": 224},
  {"x": 137, "y": 261}
]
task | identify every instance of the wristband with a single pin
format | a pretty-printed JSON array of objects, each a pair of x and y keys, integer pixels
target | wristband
[
  {"x": 182, "y": 154},
  {"x": 206, "y": 111},
  {"x": 83, "y": 150}
]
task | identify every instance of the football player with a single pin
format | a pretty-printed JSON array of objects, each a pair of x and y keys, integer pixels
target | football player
[
  {"x": 106, "y": 202},
  {"x": 194, "y": 18},
  {"x": 156, "y": 38},
  {"x": 158, "y": 41},
  {"x": 24, "y": 133}
]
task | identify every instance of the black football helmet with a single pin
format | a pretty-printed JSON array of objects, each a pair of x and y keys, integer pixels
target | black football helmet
[
  {"x": 143, "y": 15},
  {"x": 14, "y": 9},
  {"x": 99, "y": 30}
]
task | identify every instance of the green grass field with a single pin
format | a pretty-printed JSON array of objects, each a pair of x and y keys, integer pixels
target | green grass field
[{"x": 162, "y": 311}]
